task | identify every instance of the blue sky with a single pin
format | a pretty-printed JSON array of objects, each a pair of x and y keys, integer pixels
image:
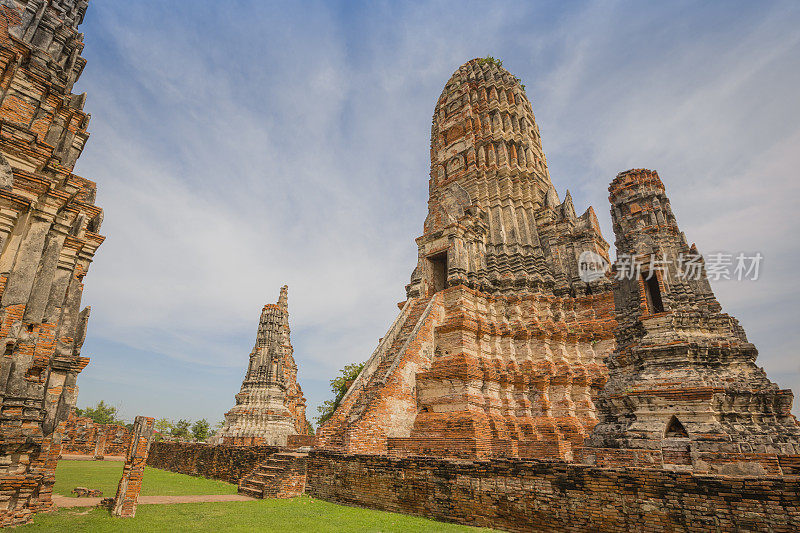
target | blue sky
[{"x": 238, "y": 146}]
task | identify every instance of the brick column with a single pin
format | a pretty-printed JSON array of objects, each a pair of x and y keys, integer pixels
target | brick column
[
  {"x": 100, "y": 443},
  {"x": 131, "y": 482}
]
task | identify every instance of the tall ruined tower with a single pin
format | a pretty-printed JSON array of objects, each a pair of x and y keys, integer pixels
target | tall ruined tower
[
  {"x": 48, "y": 236},
  {"x": 270, "y": 405},
  {"x": 683, "y": 379},
  {"x": 500, "y": 345}
]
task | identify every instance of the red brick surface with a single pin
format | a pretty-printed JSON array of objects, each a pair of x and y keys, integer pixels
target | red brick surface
[
  {"x": 519, "y": 495},
  {"x": 48, "y": 235},
  {"x": 226, "y": 463},
  {"x": 132, "y": 473},
  {"x": 82, "y": 436},
  {"x": 508, "y": 494}
]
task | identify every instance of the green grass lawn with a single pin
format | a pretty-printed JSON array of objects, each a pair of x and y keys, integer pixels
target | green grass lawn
[
  {"x": 104, "y": 475},
  {"x": 291, "y": 515}
]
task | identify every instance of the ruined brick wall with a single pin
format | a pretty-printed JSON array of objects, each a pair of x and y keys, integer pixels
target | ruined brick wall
[
  {"x": 82, "y": 436},
  {"x": 299, "y": 441},
  {"x": 513, "y": 494},
  {"x": 226, "y": 463},
  {"x": 539, "y": 496},
  {"x": 49, "y": 228}
]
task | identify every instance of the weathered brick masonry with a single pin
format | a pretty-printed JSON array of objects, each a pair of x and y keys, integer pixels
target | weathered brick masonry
[
  {"x": 518, "y": 495},
  {"x": 500, "y": 347},
  {"x": 511, "y": 494},
  {"x": 223, "y": 462},
  {"x": 283, "y": 475},
  {"x": 82, "y": 436},
  {"x": 503, "y": 347},
  {"x": 683, "y": 379},
  {"x": 131, "y": 482},
  {"x": 260, "y": 471},
  {"x": 49, "y": 233}
]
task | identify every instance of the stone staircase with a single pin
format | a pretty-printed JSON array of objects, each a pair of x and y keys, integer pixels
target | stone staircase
[
  {"x": 390, "y": 358},
  {"x": 283, "y": 475}
]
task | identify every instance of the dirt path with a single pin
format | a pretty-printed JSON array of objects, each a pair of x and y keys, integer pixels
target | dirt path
[
  {"x": 70, "y": 457},
  {"x": 63, "y": 501}
]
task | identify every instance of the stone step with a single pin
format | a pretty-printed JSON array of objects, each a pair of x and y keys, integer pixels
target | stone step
[
  {"x": 279, "y": 460},
  {"x": 250, "y": 483},
  {"x": 251, "y": 488},
  {"x": 289, "y": 455},
  {"x": 267, "y": 480},
  {"x": 253, "y": 493}
]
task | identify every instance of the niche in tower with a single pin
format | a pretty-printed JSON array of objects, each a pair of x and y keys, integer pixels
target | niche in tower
[
  {"x": 652, "y": 293},
  {"x": 675, "y": 429},
  {"x": 438, "y": 270},
  {"x": 676, "y": 446}
]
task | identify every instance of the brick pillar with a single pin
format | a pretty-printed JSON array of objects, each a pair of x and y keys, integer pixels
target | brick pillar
[
  {"x": 131, "y": 482},
  {"x": 100, "y": 444}
]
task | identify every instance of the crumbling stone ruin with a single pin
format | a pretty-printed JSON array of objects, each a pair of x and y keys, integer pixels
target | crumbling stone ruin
[
  {"x": 132, "y": 473},
  {"x": 270, "y": 406},
  {"x": 83, "y": 492},
  {"x": 515, "y": 343},
  {"x": 83, "y": 436},
  {"x": 507, "y": 494},
  {"x": 500, "y": 347},
  {"x": 48, "y": 236},
  {"x": 683, "y": 380},
  {"x": 282, "y": 475}
]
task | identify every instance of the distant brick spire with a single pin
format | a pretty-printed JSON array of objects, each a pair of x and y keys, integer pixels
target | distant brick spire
[{"x": 270, "y": 405}]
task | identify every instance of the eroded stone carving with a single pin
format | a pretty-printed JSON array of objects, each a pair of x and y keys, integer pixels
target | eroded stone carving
[
  {"x": 47, "y": 243},
  {"x": 683, "y": 379}
]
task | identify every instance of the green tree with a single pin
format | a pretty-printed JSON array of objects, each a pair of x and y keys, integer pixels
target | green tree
[
  {"x": 102, "y": 413},
  {"x": 200, "y": 429},
  {"x": 339, "y": 386},
  {"x": 181, "y": 429},
  {"x": 164, "y": 428}
]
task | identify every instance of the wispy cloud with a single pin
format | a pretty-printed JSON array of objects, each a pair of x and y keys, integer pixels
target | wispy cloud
[{"x": 244, "y": 145}]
